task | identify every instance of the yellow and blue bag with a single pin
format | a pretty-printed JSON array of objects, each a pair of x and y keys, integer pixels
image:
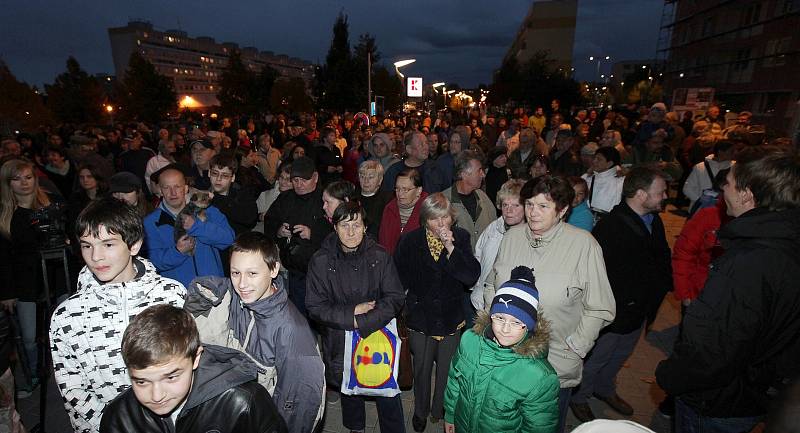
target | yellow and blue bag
[{"x": 371, "y": 364}]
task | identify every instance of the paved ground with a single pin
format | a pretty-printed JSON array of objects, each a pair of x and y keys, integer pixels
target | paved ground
[{"x": 636, "y": 382}]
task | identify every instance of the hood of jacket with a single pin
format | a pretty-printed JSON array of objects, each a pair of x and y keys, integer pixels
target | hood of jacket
[
  {"x": 220, "y": 369},
  {"x": 145, "y": 281},
  {"x": 533, "y": 346},
  {"x": 763, "y": 225}
]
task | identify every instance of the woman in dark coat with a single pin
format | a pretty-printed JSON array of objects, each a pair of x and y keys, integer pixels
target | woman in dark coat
[
  {"x": 436, "y": 266},
  {"x": 352, "y": 284}
]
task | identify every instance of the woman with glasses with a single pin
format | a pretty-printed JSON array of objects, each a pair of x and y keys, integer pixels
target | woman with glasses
[
  {"x": 500, "y": 379},
  {"x": 437, "y": 268},
  {"x": 401, "y": 215},
  {"x": 570, "y": 276}
]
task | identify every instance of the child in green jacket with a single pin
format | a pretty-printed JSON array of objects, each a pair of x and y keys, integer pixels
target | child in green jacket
[{"x": 500, "y": 380}]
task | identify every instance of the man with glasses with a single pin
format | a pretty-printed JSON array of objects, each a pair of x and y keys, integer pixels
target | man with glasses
[
  {"x": 195, "y": 253},
  {"x": 298, "y": 224},
  {"x": 236, "y": 202}
]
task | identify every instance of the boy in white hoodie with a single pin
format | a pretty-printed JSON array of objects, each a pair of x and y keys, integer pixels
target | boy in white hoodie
[{"x": 86, "y": 329}]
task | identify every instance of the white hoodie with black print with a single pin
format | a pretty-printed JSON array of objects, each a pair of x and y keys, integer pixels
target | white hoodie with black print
[{"x": 86, "y": 338}]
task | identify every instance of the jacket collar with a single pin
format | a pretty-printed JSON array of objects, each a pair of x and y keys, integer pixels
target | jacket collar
[{"x": 272, "y": 304}]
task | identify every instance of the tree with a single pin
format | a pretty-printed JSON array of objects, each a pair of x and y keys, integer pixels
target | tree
[
  {"x": 145, "y": 94},
  {"x": 336, "y": 78},
  {"x": 263, "y": 84},
  {"x": 236, "y": 84},
  {"x": 387, "y": 84},
  {"x": 75, "y": 96},
  {"x": 21, "y": 108},
  {"x": 535, "y": 82},
  {"x": 290, "y": 95},
  {"x": 366, "y": 48}
]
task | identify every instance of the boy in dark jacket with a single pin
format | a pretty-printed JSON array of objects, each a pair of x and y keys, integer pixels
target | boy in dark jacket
[
  {"x": 180, "y": 386},
  {"x": 251, "y": 312}
]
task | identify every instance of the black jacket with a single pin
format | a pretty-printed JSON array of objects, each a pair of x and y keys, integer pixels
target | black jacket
[
  {"x": 298, "y": 209},
  {"x": 373, "y": 208},
  {"x": 638, "y": 264},
  {"x": 435, "y": 289},
  {"x": 225, "y": 398},
  {"x": 239, "y": 207},
  {"x": 336, "y": 282},
  {"x": 741, "y": 336}
]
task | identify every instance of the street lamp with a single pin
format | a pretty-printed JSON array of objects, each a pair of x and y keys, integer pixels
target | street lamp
[
  {"x": 400, "y": 63},
  {"x": 434, "y": 86},
  {"x": 599, "y": 59}
]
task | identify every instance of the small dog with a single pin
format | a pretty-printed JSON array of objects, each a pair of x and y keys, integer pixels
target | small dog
[{"x": 196, "y": 208}]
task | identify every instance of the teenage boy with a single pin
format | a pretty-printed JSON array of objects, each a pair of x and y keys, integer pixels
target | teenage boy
[
  {"x": 236, "y": 202},
  {"x": 179, "y": 386},
  {"x": 113, "y": 287},
  {"x": 251, "y": 312}
]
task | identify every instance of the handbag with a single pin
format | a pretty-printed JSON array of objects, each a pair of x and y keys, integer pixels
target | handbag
[{"x": 371, "y": 363}]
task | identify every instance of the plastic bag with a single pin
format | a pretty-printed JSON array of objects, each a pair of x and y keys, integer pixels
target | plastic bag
[{"x": 371, "y": 364}]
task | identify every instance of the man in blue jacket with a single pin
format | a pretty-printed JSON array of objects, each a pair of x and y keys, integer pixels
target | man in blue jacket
[{"x": 197, "y": 252}]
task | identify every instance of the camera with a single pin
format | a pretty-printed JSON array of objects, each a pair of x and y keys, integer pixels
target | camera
[{"x": 49, "y": 223}]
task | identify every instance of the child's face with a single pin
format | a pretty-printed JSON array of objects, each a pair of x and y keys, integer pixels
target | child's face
[
  {"x": 163, "y": 387},
  {"x": 580, "y": 194},
  {"x": 251, "y": 277},
  {"x": 508, "y": 330},
  {"x": 108, "y": 256}
]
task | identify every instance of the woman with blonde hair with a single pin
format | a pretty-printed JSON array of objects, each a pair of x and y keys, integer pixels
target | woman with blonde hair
[
  {"x": 436, "y": 266},
  {"x": 20, "y": 269}
]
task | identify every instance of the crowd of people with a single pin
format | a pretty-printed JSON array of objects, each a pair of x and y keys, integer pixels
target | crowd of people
[{"x": 219, "y": 265}]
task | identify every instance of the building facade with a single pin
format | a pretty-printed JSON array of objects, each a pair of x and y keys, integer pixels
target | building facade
[
  {"x": 194, "y": 64},
  {"x": 549, "y": 26},
  {"x": 747, "y": 50}
]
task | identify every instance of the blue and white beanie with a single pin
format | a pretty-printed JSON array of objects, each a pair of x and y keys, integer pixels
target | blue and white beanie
[{"x": 518, "y": 297}]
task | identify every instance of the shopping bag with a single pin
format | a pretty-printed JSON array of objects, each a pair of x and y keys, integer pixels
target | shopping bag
[{"x": 371, "y": 363}]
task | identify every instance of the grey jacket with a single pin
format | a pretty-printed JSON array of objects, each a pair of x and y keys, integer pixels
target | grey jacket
[
  {"x": 275, "y": 336},
  {"x": 486, "y": 214}
]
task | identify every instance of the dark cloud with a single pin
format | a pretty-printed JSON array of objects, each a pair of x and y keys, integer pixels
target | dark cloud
[{"x": 460, "y": 41}]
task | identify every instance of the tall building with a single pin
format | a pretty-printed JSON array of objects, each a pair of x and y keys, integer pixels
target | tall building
[
  {"x": 195, "y": 64},
  {"x": 549, "y": 26},
  {"x": 747, "y": 50}
]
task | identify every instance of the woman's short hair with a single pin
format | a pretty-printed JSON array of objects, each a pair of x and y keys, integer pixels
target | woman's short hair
[
  {"x": 371, "y": 165},
  {"x": 435, "y": 206},
  {"x": 413, "y": 175},
  {"x": 510, "y": 189},
  {"x": 159, "y": 334},
  {"x": 348, "y": 211},
  {"x": 555, "y": 188},
  {"x": 341, "y": 190}
]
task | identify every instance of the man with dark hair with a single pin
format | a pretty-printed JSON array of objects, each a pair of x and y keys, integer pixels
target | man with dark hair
[
  {"x": 179, "y": 385},
  {"x": 236, "y": 202},
  {"x": 279, "y": 341},
  {"x": 605, "y": 181},
  {"x": 207, "y": 232},
  {"x": 741, "y": 337},
  {"x": 86, "y": 329},
  {"x": 297, "y": 222},
  {"x": 702, "y": 176},
  {"x": 639, "y": 268},
  {"x": 416, "y": 146}
]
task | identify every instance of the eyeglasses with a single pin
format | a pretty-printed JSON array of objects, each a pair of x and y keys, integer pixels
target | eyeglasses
[
  {"x": 368, "y": 176},
  {"x": 513, "y": 324},
  {"x": 220, "y": 175},
  {"x": 401, "y": 190}
]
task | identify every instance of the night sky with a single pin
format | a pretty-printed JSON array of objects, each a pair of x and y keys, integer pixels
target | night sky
[{"x": 461, "y": 41}]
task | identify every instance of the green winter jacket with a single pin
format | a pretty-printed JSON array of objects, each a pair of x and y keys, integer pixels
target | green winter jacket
[{"x": 496, "y": 389}]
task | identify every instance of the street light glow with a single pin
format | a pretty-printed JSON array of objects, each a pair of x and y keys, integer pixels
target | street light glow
[
  {"x": 401, "y": 63},
  {"x": 591, "y": 58},
  {"x": 109, "y": 108},
  {"x": 439, "y": 84}
]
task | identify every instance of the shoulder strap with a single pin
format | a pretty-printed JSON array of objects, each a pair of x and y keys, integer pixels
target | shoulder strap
[
  {"x": 710, "y": 174},
  {"x": 591, "y": 190}
]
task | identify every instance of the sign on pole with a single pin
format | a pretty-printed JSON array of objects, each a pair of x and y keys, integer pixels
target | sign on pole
[{"x": 414, "y": 85}]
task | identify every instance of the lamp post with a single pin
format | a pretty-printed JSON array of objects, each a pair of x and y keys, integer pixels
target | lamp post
[
  {"x": 434, "y": 86},
  {"x": 397, "y": 65},
  {"x": 110, "y": 111},
  {"x": 599, "y": 59}
]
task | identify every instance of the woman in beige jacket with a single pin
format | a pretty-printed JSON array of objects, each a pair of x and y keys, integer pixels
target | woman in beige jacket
[{"x": 574, "y": 293}]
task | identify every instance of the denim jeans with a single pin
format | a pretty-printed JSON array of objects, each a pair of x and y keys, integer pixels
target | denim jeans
[
  {"x": 564, "y": 396},
  {"x": 26, "y": 316},
  {"x": 687, "y": 420}
]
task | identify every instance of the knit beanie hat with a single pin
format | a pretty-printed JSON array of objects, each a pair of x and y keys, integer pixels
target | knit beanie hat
[{"x": 518, "y": 297}]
